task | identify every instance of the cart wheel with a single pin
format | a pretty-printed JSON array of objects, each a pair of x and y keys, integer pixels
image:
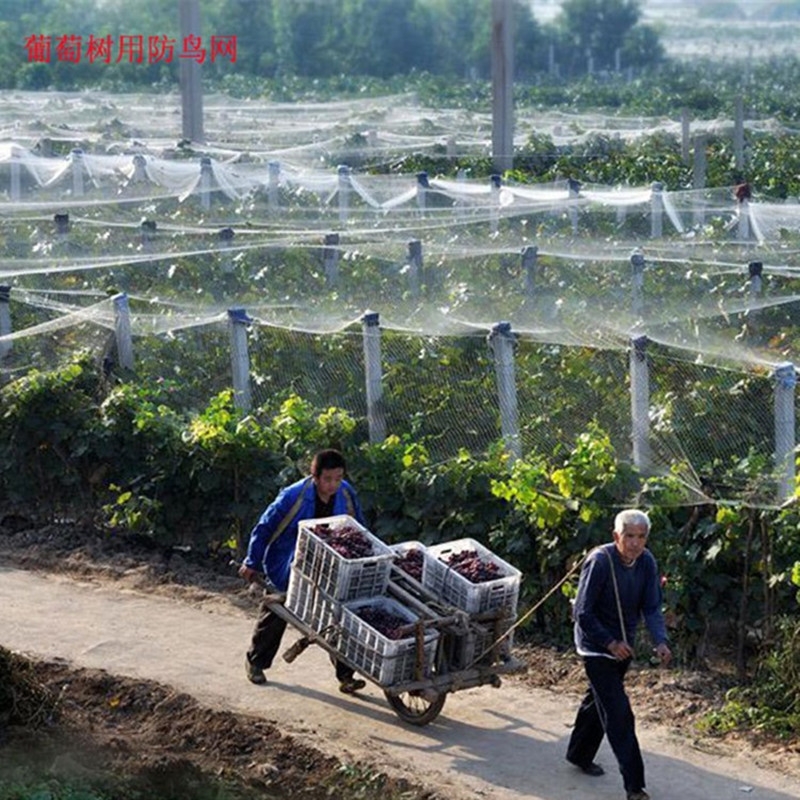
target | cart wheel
[{"x": 417, "y": 708}]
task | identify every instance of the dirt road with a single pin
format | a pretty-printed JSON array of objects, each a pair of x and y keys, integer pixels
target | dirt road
[{"x": 503, "y": 744}]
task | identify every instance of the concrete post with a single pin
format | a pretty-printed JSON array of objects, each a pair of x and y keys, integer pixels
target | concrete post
[
  {"x": 122, "y": 331},
  {"x": 240, "y": 358},
  {"x": 225, "y": 238},
  {"x": 344, "y": 192},
  {"x": 76, "y": 157},
  {"x": 530, "y": 255},
  {"x": 640, "y": 403},
  {"x": 330, "y": 259},
  {"x": 206, "y": 176},
  {"x": 189, "y": 74},
  {"x": 637, "y": 282},
  {"x": 699, "y": 174},
  {"x": 685, "y": 129},
  {"x": 494, "y": 205},
  {"x": 738, "y": 134},
  {"x": 502, "y": 85},
  {"x": 376, "y": 420},
  {"x": 574, "y": 188},
  {"x": 415, "y": 266},
  {"x": 273, "y": 193},
  {"x": 785, "y": 382},
  {"x": 5, "y": 320},
  {"x": 657, "y": 210},
  {"x": 422, "y": 190},
  {"x": 502, "y": 342}
]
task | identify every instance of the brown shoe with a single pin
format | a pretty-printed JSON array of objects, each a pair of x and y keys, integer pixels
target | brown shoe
[
  {"x": 640, "y": 795},
  {"x": 351, "y": 685},
  {"x": 254, "y": 673}
]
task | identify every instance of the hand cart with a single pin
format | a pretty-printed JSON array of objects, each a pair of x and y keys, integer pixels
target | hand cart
[{"x": 452, "y": 649}]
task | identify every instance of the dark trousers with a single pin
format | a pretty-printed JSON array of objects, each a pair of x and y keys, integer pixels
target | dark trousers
[
  {"x": 606, "y": 710},
  {"x": 266, "y": 642}
]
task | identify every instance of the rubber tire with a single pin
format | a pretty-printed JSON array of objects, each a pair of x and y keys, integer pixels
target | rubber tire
[{"x": 414, "y": 708}]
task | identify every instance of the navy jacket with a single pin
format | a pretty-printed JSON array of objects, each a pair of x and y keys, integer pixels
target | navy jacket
[{"x": 595, "y": 614}]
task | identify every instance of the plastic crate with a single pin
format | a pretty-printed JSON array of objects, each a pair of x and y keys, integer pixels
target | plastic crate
[
  {"x": 451, "y": 587},
  {"x": 404, "y": 547},
  {"x": 311, "y": 605},
  {"x": 388, "y": 661},
  {"x": 336, "y": 576}
]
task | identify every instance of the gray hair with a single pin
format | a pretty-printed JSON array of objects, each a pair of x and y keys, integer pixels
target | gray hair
[{"x": 630, "y": 516}]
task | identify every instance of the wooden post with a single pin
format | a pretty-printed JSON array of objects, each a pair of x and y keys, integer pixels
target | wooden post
[
  {"x": 640, "y": 403},
  {"x": 501, "y": 342},
  {"x": 415, "y": 266},
  {"x": 5, "y": 321},
  {"x": 502, "y": 85},
  {"x": 657, "y": 210},
  {"x": 330, "y": 259},
  {"x": 376, "y": 420},
  {"x": 344, "y": 192},
  {"x": 530, "y": 254},
  {"x": 240, "y": 358},
  {"x": 76, "y": 157},
  {"x": 122, "y": 331},
  {"x": 785, "y": 382},
  {"x": 189, "y": 74}
]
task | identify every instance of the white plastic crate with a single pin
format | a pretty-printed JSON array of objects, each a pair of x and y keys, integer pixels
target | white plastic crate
[
  {"x": 309, "y": 604},
  {"x": 388, "y": 661},
  {"x": 402, "y": 548},
  {"x": 338, "y": 577},
  {"x": 458, "y": 591}
]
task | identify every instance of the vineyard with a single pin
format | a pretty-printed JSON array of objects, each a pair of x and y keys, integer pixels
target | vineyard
[{"x": 300, "y": 226}]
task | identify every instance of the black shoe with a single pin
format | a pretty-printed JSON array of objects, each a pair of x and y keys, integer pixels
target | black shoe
[
  {"x": 640, "y": 795},
  {"x": 254, "y": 674},
  {"x": 351, "y": 685},
  {"x": 595, "y": 770}
]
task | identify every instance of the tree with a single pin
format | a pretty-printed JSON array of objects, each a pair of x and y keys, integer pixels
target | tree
[{"x": 596, "y": 30}]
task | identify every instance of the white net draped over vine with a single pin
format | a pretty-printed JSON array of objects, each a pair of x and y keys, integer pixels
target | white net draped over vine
[{"x": 279, "y": 215}]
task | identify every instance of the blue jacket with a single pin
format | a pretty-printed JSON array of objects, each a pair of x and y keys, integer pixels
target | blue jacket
[
  {"x": 293, "y": 504},
  {"x": 595, "y": 612}
]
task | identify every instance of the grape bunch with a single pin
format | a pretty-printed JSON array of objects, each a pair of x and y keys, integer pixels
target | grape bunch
[
  {"x": 411, "y": 562},
  {"x": 471, "y": 566},
  {"x": 348, "y": 541},
  {"x": 385, "y": 622}
]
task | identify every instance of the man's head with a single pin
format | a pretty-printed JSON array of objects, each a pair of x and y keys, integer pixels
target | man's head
[
  {"x": 631, "y": 529},
  {"x": 327, "y": 472}
]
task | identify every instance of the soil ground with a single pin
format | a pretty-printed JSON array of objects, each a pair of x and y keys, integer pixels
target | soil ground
[{"x": 103, "y": 708}]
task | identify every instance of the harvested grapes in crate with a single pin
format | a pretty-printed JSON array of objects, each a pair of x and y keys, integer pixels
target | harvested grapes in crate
[
  {"x": 410, "y": 557},
  {"x": 469, "y": 576},
  {"x": 342, "y": 558},
  {"x": 373, "y": 638}
]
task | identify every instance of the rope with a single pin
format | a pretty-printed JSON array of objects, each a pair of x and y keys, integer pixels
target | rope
[{"x": 532, "y": 610}]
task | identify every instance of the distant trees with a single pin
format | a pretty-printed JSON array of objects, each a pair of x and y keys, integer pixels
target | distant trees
[
  {"x": 321, "y": 39},
  {"x": 601, "y": 32}
]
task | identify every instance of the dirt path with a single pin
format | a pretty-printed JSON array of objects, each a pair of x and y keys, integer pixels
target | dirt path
[{"x": 502, "y": 743}]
